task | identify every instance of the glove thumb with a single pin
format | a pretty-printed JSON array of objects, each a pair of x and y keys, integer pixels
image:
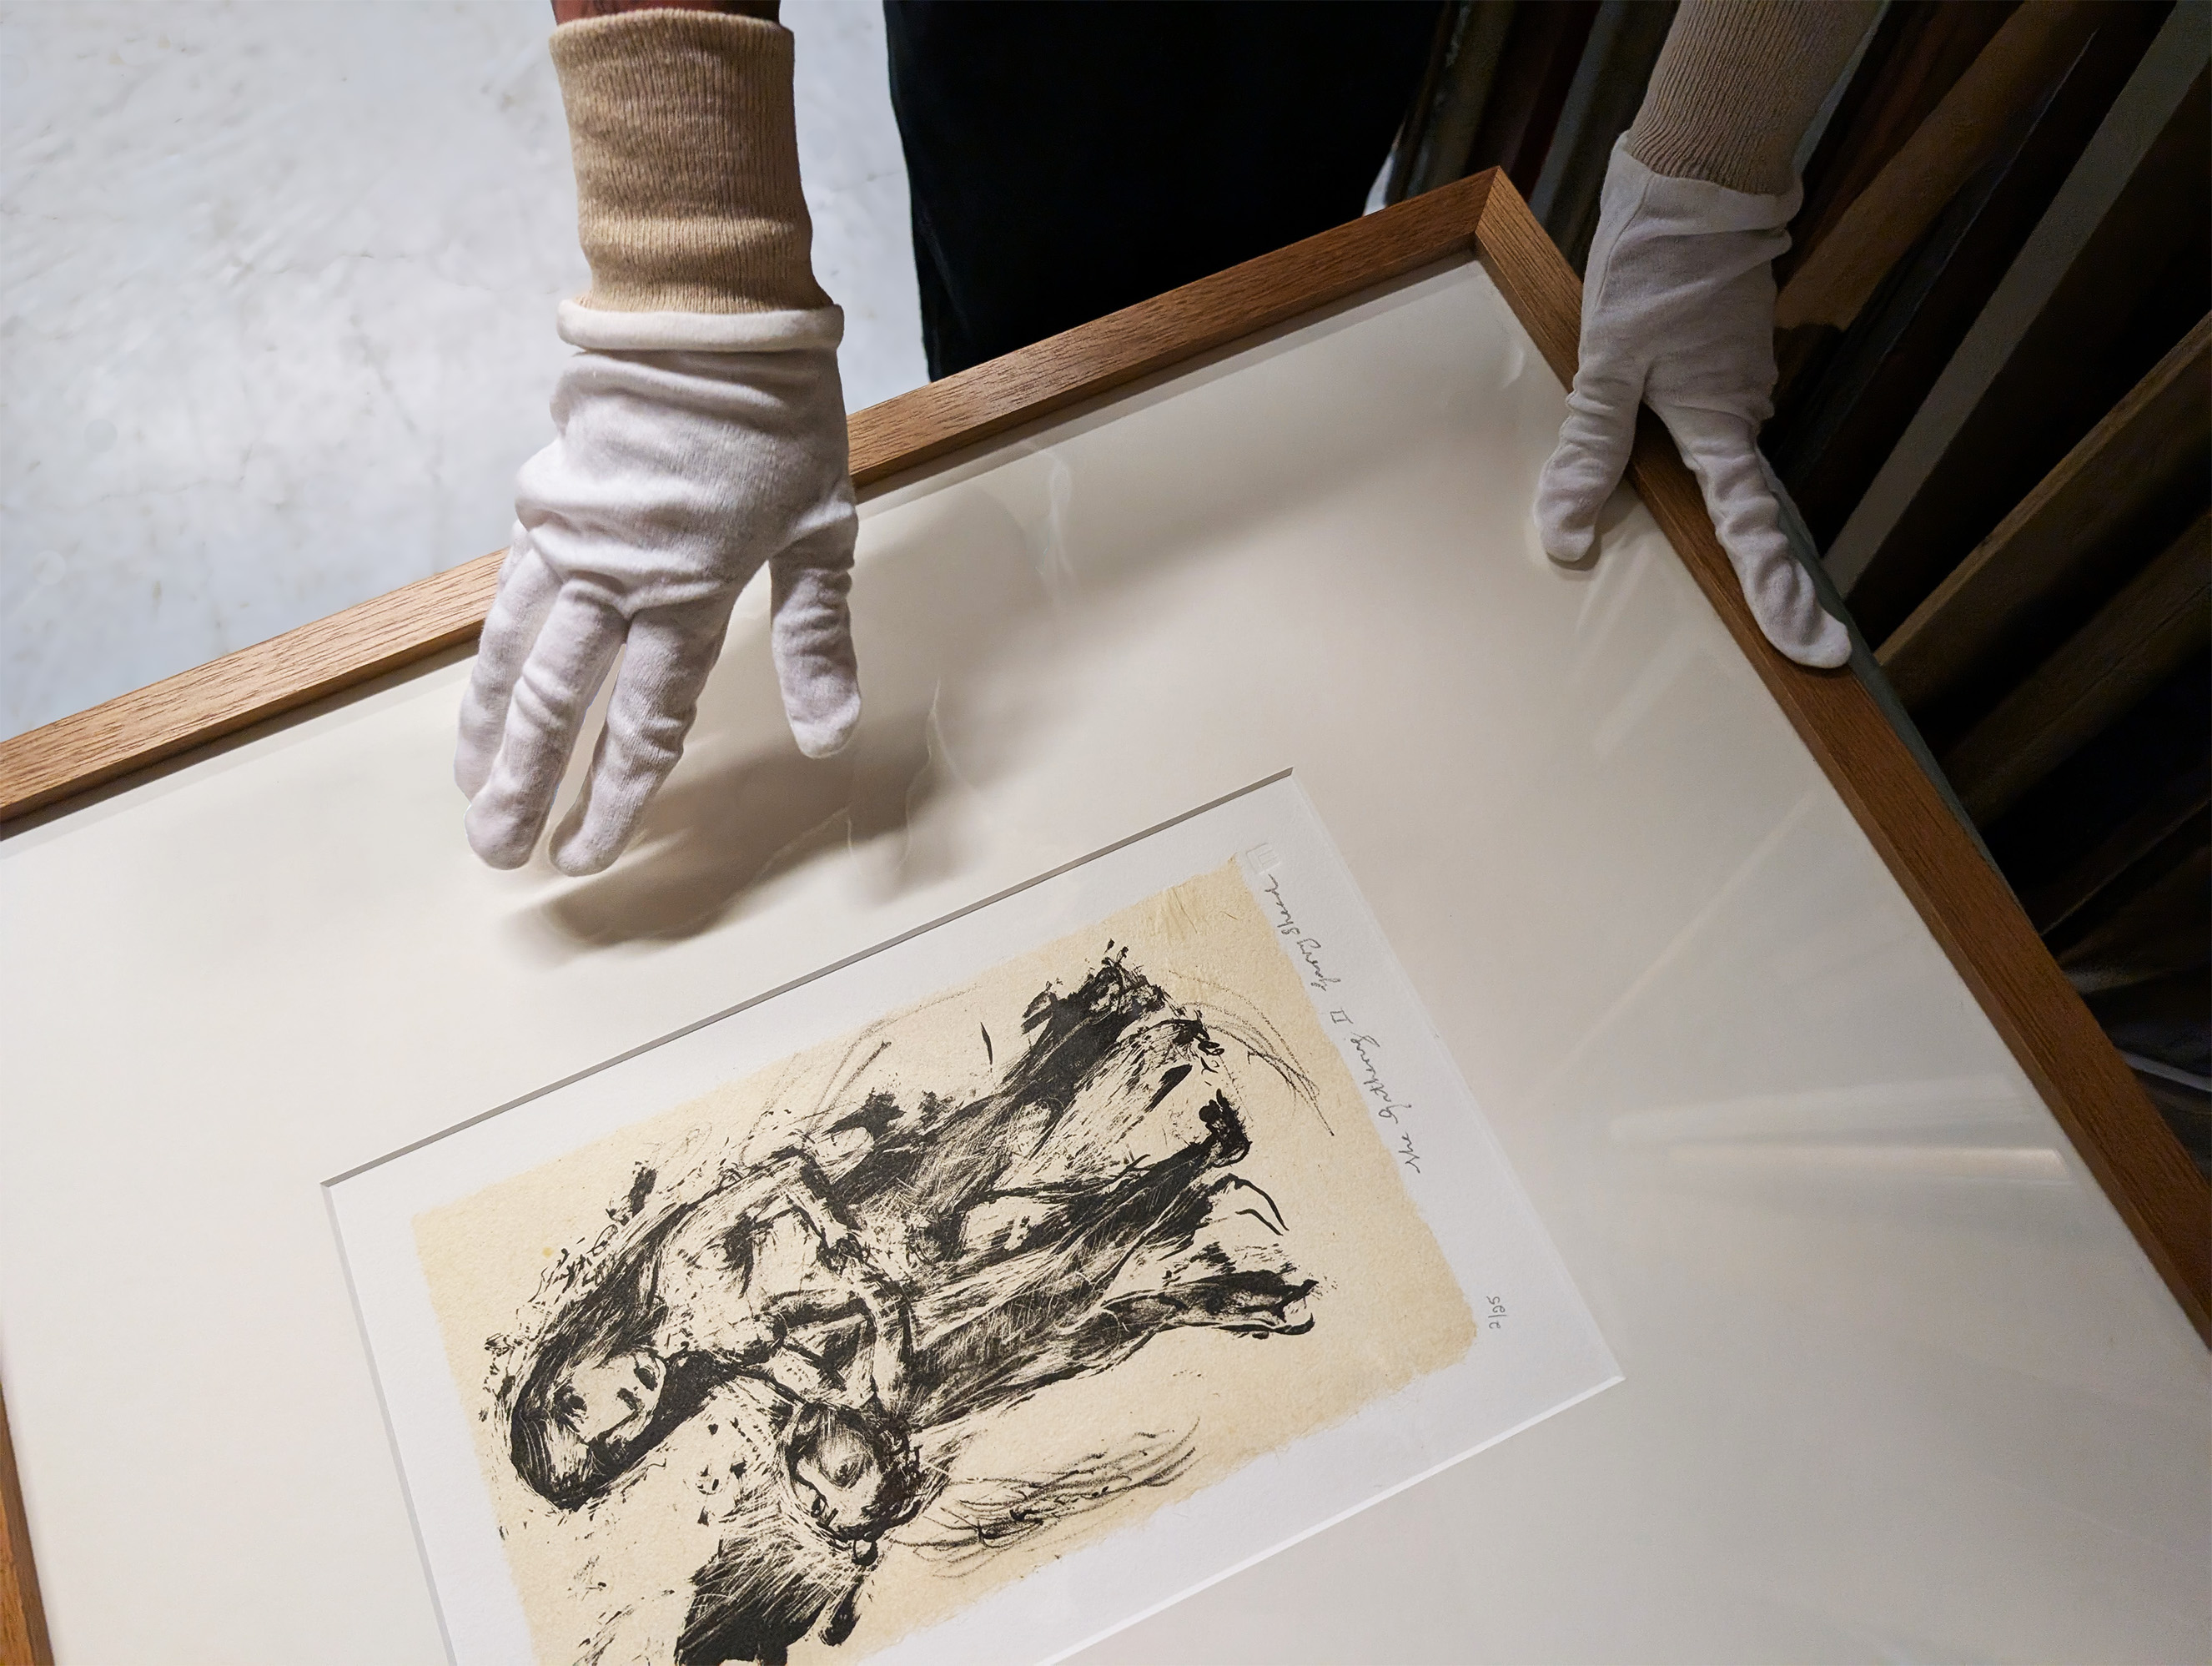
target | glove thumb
[
  {"x": 1721, "y": 453},
  {"x": 1587, "y": 464},
  {"x": 812, "y": 638}
]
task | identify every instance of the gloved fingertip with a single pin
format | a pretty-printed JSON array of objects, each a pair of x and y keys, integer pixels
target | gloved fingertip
[
  {"x": 499, "y": 850},
  {"x": 1566, "y": 526},
  {"x": 579, "y": 858},
  {"x": 1569, "y": 495},
  {"x": 1830, "y": 648},
  {"x": 498, "y": 840},
  {"x": 604, "y": 822},
  {"x": 825, "y": 739},
  {"x": 590, "y": 836},
  {"x": 822, "y": 703},
  {"x": 1569, "y": 546}
]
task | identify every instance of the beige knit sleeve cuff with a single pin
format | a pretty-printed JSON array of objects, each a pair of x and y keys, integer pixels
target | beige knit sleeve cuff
[
  {"x": 1737, "y": 84},
  {"x": 687, "y": 164}
]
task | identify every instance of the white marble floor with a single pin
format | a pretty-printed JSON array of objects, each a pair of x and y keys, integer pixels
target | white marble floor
[{"x": 277, "y": 294}]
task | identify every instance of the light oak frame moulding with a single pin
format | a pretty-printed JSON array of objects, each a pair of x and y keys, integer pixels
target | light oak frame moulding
[{"x": 2096, "y": 1099}]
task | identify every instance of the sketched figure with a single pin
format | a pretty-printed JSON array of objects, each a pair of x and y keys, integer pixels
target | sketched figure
[
  {"x": 855, "y": 1308},
  {"x": 763, "y": 1277}
]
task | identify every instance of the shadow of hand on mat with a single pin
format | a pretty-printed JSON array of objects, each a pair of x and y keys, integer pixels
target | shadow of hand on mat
[{"x": 713, "y": 837}]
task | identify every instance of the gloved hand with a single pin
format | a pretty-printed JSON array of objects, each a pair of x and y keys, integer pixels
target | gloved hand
[
  {"x": 1678, "y": 309},
  {"x": 675, "y": 478},
  {"x": 701, "y": 437}
]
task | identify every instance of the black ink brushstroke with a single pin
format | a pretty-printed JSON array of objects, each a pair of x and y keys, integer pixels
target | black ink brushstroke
[
  {"x": 856, "y": 1319},
  {"x": 986, "y": 1515}
]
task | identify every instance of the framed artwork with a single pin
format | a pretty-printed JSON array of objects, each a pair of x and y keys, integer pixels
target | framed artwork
[{"x": 475, "y": 1255}]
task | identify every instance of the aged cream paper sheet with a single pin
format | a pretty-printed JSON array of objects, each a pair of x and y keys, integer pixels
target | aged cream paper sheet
[{"x": 835, "y": 1350}]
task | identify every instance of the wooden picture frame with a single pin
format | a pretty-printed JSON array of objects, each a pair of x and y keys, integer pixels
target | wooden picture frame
[{"x": 2118, "y": 1131}]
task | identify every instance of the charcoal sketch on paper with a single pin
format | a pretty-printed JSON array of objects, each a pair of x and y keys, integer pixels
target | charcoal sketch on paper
[{"x": 865, "y": 1339}]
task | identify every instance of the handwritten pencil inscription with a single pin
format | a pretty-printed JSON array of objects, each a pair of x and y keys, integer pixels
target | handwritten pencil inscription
[{"x": 1366, "y": 1050}]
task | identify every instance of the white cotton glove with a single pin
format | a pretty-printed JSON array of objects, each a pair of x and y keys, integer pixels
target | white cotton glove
[
  {"x": 1678, "y": 310},
  {"x": 676, "y": 477}
]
